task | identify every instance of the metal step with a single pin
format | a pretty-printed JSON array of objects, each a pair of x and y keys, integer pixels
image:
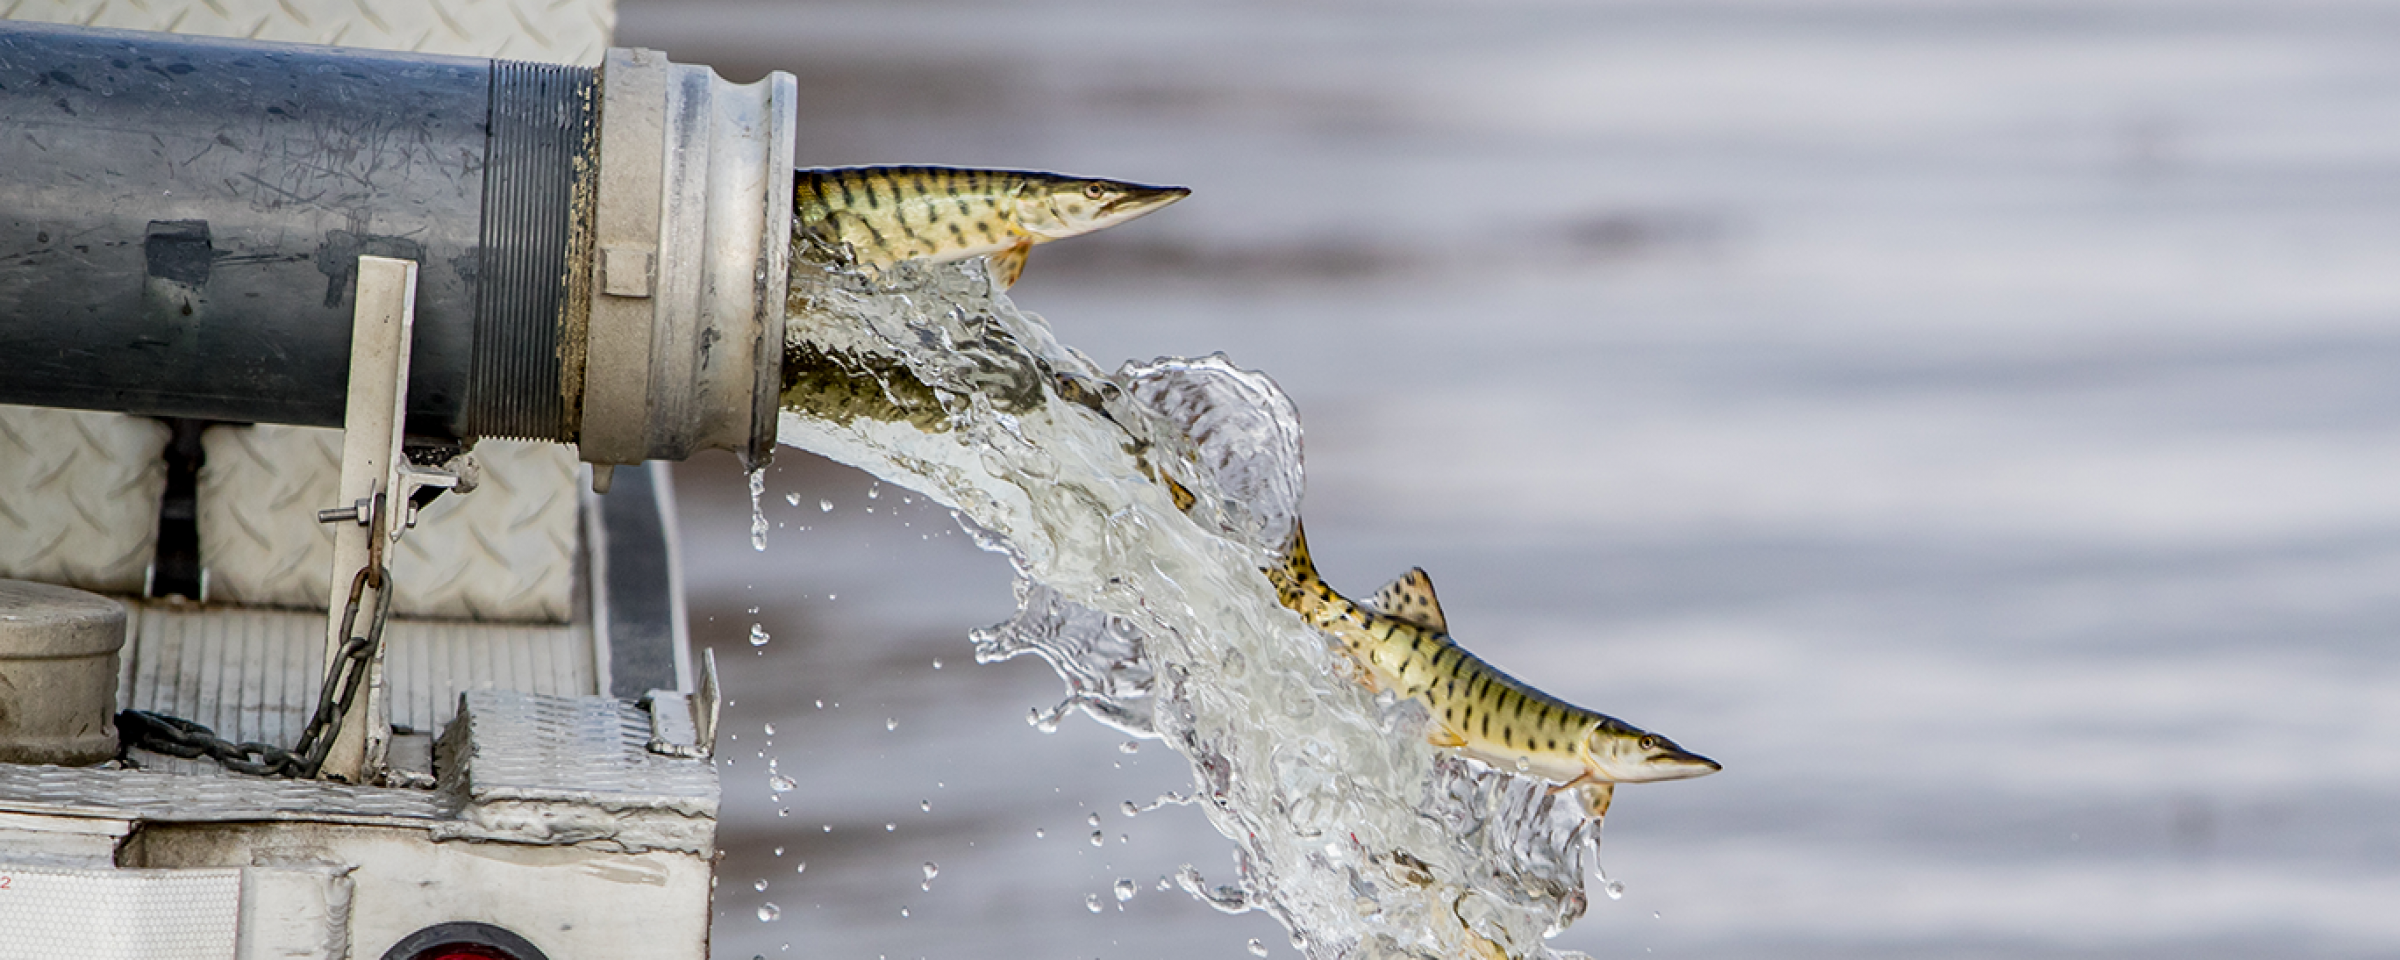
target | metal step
[{"x": 252, "y": 674}]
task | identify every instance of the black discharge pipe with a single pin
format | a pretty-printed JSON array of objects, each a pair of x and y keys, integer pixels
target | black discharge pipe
[{"x": 180, "y": 221}]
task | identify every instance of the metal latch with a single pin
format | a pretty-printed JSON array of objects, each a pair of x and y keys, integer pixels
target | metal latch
[{"x": 685, "y": 725}]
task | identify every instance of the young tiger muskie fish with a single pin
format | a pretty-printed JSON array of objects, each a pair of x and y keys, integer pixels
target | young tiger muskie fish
[
  {"x": 889, "y": 214},
  {"x": 1404, "y": 643}
]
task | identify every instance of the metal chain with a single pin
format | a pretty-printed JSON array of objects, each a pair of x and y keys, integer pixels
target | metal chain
[{"x": 178, "y": 737}]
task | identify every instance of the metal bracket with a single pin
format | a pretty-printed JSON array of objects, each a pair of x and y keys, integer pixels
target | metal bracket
[
  {"x": 414, "y": 480},
  {"x": 382, "y": 327},
  {"x": 685, "y": 725}
]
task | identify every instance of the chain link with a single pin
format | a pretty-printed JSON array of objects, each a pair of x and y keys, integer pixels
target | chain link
[{"x": 178, "y": 737}]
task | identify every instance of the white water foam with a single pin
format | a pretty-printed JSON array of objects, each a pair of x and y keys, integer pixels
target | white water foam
[{"x": 1361, "y": 838}]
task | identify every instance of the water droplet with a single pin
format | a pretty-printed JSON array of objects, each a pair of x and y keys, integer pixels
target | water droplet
[
  {"x": 1093, "y": 820},
  {"x": 1654, "y": 915},
  {"x": 1039, "y": 833},
  {"x": 1091, "y": 901},
  {"x": 937, "y": 663},
  {"x": 1299, "y": 940},
  {"x": 891, "y": 724},
  {"x": 889, "y": 827},
  {"x": 1121, "y": 838},
  {"x": 1126, "y": 888},
  {"x": 781, "y": 784},
  {"x": 1616, "y": 889},
  {"x": 1257, "y": 949},
  {"x": 925, "y": 805},
  {"x": 1130, "y": 810},
  {"x": 792, "y": 498},
  {"x": 904, "y": 911},
  {"x": 779, "y": 851},
  {"x": 824, "y": 506},
  {"x": 932, "y": 869},
  {"x": 769, "y": 729},
  {"x": 761, "y": 885},
  {"x": 758, "y": 635},
  {"x": 769, "y": 913},
  {"x": 1130, "y": 746},
  {"x": 875, "y": 491},
  {"x": 1097, "y": 839},
  {"x": 820, "y": 704}
]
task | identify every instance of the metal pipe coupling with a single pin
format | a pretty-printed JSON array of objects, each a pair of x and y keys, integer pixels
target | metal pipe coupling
[{"x": 691, "y": 240}]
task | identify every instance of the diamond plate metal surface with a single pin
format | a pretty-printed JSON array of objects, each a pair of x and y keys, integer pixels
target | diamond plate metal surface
[
  {"x": 503, "y": 553},
  {"x": 259, "y": 492},
  {"x": 554, "y": 31},
  {"x": 252, "y": 674},
  {"x": 542, "y": 769},
  {"x": 79, "y": 497},
  {"x": 49, "y": 914}
]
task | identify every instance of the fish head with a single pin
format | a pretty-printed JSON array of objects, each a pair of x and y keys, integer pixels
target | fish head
[
  {"x": 1621, "y": 753},
  {"x": 1055, "y": 208}
]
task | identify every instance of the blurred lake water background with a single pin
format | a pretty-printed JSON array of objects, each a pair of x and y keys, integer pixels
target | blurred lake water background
[{"x": 1977, "y": 424}]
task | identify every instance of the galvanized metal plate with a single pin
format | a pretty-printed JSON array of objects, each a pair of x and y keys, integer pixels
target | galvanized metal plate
[
  {"x": 173, "y": 797},
  {"x": 596, "y": 749},
  {"x": 536, "y": 769}
]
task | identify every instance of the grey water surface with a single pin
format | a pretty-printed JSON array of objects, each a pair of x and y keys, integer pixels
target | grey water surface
[{"x": 1977, "y": 424}]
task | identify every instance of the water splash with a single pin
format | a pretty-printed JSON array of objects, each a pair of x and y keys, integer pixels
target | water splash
[
  {"x": 758, "y": 514},
  {"x": 1137, "y": 508}
]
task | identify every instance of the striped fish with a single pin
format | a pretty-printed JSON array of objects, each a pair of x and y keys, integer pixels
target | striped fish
[
  {"x": 1404, "y": 644},
  {"x": 885, "y": 215}
]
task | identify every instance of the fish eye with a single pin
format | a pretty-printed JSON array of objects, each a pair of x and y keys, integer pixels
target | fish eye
[
  {"x": 1095, "y": 190},
  {"x": 1650, "y": 741}
]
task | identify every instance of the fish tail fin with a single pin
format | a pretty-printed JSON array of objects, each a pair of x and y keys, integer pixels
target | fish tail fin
[{"x": 1297, "y": 569}]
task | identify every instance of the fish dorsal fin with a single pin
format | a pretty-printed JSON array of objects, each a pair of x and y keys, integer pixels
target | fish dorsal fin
[
  {"x": 1009, "y": 264},
  {"x": 1411, "y": 598}
]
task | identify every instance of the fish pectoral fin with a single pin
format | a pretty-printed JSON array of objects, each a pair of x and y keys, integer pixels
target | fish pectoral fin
[
  {"x": 1359, "y": 672},
  {"x": 1442, "y": 735},
  {"x": 1596, "y": 797},
  {"x": 1411, "y": 598},
  {"x": 1009, "y": 264}
]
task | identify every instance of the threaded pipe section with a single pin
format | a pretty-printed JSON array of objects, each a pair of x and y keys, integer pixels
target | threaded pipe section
[{"x": 540, "y": 142}]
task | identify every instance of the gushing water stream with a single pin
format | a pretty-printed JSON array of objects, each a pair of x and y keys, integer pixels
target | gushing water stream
[{"x": 1146, "y": 596}]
